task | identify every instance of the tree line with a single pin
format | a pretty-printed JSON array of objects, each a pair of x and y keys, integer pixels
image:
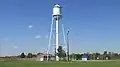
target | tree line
[{"x": 76, "y": 56}]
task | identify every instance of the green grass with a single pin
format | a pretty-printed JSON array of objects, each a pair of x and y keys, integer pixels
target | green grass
[{"x": 16, "y": 63}]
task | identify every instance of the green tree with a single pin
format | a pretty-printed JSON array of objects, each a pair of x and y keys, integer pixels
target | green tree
[
  {"x": 79, "y": 56},
  {"x": 29, "y": 55},
  {"x": 105, "y": 53},
  {"x": 22, "y": 55},
  {"x": 61, "y": 52}
]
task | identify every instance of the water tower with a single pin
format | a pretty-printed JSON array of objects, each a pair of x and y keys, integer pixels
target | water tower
[{"x": 56, "y": 17}]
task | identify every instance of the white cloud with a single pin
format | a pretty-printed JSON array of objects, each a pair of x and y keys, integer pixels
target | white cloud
[
  {"x": 15, "y": 47},
  {"x": 37, "y": 36},
  {"x": 30, "y": 26}
]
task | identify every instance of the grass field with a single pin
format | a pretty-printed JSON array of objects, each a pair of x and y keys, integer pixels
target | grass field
[{"x": 16, "y": 63}]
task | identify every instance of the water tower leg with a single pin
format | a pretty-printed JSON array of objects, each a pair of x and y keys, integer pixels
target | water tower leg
[{"x": 57, "y": 22}]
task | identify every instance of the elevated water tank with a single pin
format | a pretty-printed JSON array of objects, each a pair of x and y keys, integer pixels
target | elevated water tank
[{"x": 57, "y": 10}]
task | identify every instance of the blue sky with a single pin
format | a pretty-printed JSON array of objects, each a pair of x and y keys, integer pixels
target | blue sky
[{"x": 95, "y": 25}]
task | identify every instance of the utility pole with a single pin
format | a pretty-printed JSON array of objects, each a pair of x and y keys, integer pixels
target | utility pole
[{"x": 68, "y": 45}]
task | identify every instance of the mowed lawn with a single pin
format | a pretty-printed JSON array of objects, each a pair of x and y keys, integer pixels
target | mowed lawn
[{"x": 16, "y": 63}]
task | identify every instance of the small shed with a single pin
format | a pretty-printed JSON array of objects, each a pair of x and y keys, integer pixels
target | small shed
[
  {"x": 84, "y": 58},
  {"x": 40, "y": 57}
]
